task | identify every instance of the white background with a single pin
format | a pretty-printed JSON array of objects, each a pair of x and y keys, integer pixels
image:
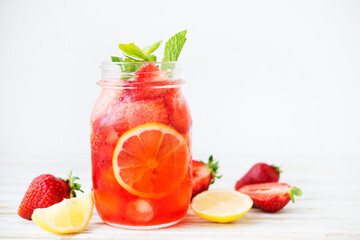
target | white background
[{"x": 264, "y": 78}]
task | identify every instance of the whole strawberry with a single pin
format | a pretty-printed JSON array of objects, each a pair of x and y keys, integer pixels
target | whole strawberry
[
  {"x": 203, "y": 174},
  {"x": 259, "y": 173},
  {"x": 46, "y": 190},
  {"x": 271, "y": 197}
]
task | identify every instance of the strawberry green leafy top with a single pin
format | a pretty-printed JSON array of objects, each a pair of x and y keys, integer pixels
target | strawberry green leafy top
[{"x": 133, "y": 53}]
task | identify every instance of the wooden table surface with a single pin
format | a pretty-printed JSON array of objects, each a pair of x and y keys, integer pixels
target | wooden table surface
[{"x": 328, "y": 209}]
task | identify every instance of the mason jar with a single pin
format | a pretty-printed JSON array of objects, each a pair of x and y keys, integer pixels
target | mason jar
[{"x": 141, "y": 146}]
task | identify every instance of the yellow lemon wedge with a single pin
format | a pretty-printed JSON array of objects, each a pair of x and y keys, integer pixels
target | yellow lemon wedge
[
  {"x": 67, "y": 216},
  {"x": 221, "y": 205}
]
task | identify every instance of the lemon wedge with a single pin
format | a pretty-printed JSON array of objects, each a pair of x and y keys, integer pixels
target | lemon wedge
[
  {"x": 67, "y": 216},
  {"x": 221, "y": 205}
]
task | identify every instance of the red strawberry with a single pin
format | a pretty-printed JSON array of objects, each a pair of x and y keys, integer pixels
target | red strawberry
[
  {"x": 103, "y": 141},
  {"x": 144, "y": 86},
  {"x": 178, "y": 110},
  {"x": 148, "y": 72},
  {"x": 271, "y": 197},
  {"x": 46, "y": 190},
  {"x": 259, "y": 173},
  {"x": 203, "y": 175}
]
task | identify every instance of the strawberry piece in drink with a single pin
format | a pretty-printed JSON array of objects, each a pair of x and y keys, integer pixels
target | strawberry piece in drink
[
  {"x": 121, "y": 117},
  {"x": 144, "y": 86},
  {"x": 107, "y": 98},
  {"x": 179, "y": 112},
  {"x": 103, "y": 142}
]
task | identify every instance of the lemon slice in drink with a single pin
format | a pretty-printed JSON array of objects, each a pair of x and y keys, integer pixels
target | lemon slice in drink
[
  {"x": 221, "y": 205},
  {"x": 151, "y": 160},
  {"x": 70, "y": 215}
]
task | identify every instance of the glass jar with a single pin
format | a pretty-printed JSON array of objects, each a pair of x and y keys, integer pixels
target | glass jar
[{"x": 141, "y": 146}]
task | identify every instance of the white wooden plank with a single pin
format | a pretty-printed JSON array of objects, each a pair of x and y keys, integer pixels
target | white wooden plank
[{"x": 329, "y": 209}]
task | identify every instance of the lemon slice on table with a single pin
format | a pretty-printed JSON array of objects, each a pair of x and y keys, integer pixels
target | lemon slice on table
[
  {"x": 221, "y": 205},
  {"x": 69, "y": 215}
]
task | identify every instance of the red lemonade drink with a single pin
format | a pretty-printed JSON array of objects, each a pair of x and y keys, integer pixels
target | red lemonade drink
[{"x": 141, "y": 146}]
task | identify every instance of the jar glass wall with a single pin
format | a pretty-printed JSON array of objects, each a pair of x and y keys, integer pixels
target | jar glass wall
[{"x": 141, "y": 146}]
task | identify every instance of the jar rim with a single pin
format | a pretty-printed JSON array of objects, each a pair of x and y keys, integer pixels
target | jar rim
[
  {"x": 116, "y": 63},
  {"x": 109, "y": 66},
  {"x": 132, "y": 84},
  {"x": 126, "y": 74}
]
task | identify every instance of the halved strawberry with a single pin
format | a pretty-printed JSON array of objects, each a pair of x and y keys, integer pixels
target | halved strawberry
[
  {"x": 271, "y": 197},
  {"x": 178, "y": 110},
  {"x": 204, "y": 174}
]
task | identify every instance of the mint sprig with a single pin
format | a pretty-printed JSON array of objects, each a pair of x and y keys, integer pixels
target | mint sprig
[
  {"x": 116, "y": 59},
  {"x": 174, "y": 46},
  {"x": 127, "y": 68},
  {"x": 133, "y": 53},
  {"x": 150, "y": 49}
]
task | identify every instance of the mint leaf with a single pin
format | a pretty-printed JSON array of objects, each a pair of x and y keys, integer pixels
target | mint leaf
[
  {"x": 131, "y": 67},
  {"x": 126, "y": 68},
  {"x": 116, "y": 59},
  {"x": 150, "y": 49},
  {"x": 174, "y": 46},
  {"x": 133, "y": 51},
  {"x": 152, "y": 58},
  {"x": 130, "y": 59}
]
